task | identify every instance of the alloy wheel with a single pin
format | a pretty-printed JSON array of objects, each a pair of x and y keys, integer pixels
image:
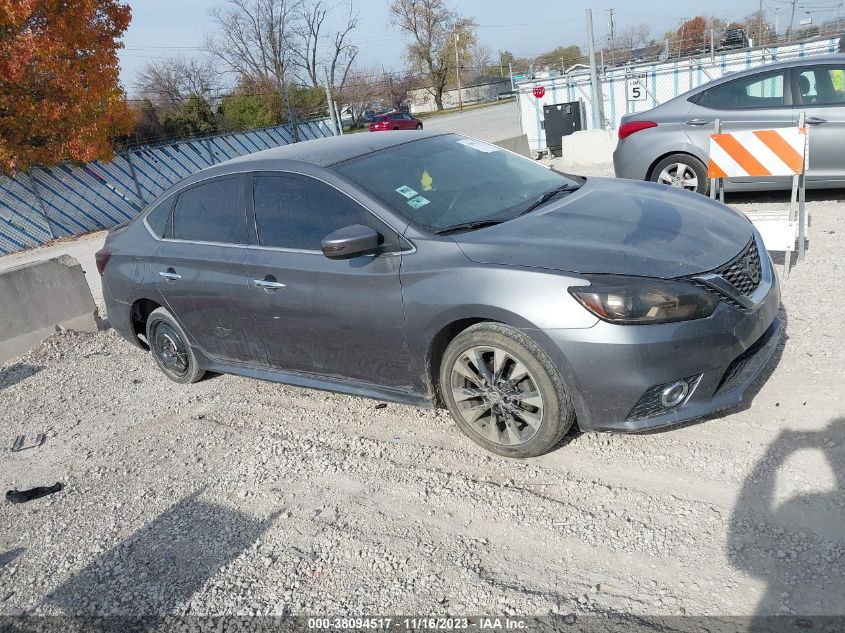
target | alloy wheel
[
  {"x": 679, "y": 175},
  {"x": 170, "y": 349},
  {"x": 496, "y": 395}
]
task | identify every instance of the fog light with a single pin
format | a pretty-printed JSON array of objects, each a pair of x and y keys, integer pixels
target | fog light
[{"x": 674, "y": 394}]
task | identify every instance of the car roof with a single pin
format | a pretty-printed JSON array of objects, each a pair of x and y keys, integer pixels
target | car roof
[{"x": 331, "y": 150}]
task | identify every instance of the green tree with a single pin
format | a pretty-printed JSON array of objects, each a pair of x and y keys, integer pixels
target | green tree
[
  {"x": 247, "y": 112},
  {"x": 195, "y": 118},
  {"x": 564, "y": 56}
]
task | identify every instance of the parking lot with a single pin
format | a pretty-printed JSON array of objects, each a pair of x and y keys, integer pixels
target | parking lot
[{"x": 234, "y": 496}]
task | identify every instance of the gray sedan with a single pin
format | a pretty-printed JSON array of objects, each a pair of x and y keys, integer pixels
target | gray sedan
[
  {"x": 670, "y": 143},
  {"x": 434, "y": 269}
]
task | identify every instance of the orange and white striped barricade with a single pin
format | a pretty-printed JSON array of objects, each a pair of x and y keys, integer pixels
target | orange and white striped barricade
[{"x": 762, "y": 154}]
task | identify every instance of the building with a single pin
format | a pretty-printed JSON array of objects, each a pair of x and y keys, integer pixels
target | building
[{"x": 480, "y": 90}]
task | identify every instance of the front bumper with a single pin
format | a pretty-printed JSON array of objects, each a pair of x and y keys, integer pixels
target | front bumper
[{"x": 610, "y": 367}]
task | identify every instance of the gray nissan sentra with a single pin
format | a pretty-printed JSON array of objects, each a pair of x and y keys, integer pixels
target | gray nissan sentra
[{"x": 436, "y": 269}]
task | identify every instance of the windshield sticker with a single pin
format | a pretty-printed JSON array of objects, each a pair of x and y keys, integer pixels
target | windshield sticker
[
  {"x": 418, "y": 202},
  {"x": 406, "y": 191},
  {"x": 481, "y": 146},
  {"x": 426, "y": 180}
]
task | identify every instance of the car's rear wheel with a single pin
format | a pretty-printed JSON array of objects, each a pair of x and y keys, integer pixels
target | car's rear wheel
[
  {"x": 504, "y": 392},
  {"x": 682, "y": 171},
  {"x": 170, "y": 348}
]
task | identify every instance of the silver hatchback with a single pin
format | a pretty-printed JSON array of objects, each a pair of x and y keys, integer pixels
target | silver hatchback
[{"x": 669, "y": 144}]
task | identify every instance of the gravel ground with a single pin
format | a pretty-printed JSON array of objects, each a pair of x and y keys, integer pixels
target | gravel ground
[{"x": 234, "y": 496}]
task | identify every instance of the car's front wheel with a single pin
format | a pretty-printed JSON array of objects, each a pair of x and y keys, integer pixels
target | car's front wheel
[
  {"x": 683, "y": 171},
  {"x": 419, "y": 126},
  {"x": 504, "y": 391},
  {"x": 170, "y": 348}
]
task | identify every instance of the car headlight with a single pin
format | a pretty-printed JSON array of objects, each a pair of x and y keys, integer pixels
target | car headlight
[{"x": 642, "y": 301}]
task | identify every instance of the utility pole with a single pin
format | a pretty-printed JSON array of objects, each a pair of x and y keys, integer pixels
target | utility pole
[
  {"x": 329, "y": 102},
  {"x": 291, "y": 117},
  {"x": 792, "y": 21},
  {"x": 458, "y": 74},
  {"x": 611, "y": 35},
  {"x": 712, "y": 44},
  {"x": 761, "y": 42},
  {"x": 594, "y": 79}
]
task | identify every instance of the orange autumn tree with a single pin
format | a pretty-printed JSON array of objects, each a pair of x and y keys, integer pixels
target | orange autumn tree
[{"x": 60, "y": 99}]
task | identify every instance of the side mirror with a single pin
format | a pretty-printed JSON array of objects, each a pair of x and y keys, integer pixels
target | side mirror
[{"x": 350, "y": 241}]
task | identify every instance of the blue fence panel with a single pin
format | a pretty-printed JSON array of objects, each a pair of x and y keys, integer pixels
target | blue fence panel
[{"x": 79, "y": 199}]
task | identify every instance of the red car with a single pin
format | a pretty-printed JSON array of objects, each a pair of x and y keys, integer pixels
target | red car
[{"x": 395, "y": 121}]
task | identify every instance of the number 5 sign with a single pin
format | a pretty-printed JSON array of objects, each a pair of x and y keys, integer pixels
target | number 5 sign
[{"x": 637, "y": 87}]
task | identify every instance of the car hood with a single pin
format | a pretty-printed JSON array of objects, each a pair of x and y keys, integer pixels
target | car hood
[{"x": 616, "y": 226}]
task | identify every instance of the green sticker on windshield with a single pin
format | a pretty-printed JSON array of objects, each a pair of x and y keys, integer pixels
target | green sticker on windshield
[
  {"x": 406, "y": 191},
  {"x": 418, "y": 202}
]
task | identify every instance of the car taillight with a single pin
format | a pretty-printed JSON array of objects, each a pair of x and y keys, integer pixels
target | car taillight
[
  {"x": 629, "y": 127},
  {"x": 102, "y": 258}
]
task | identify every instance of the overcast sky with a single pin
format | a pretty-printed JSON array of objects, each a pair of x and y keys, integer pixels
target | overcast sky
[{"x": 161, "y": 28}]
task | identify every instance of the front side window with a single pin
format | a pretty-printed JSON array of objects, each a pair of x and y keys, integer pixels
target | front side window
[
  {"x": 442, "y": 182},
  {"x": 210, "y": 212},
  {"x": 757, "y": 91},
  {"x": 822, "y": 86},
  {"x": 295, "y": 211}
]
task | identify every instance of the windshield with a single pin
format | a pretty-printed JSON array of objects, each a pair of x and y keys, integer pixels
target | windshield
[{"x": 448, "y": 181}]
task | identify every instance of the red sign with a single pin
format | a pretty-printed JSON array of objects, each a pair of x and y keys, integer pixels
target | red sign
[{"x": 539, "y": 91}]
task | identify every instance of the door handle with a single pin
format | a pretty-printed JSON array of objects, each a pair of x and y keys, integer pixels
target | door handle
[
  {"x": 170, "y": 274},
  {"x": 268, "y": 284},
  {"x": 697, "y": 122},
  {"x": 814, "y": 120}
]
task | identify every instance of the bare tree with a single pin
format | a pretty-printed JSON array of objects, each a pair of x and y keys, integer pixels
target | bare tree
[
  {"x": 312, "y": 39},
  {"x": 431, "y": 27},
  {"x": 168, "y": 83},
  {"x": 480, "y": 58},
  {"x": 397, "y": 87},
  {"x": 633, "y": 36},
  {"x": 363, "y": 86},
  {"x": 254, "y": 38}
]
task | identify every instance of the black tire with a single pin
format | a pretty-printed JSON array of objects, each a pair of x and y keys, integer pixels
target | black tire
[
  {"x": 553, "y": 417},
  {"x": 703, "y": 185},
  {"x": 170, "y": 348},
  {"x": 419, "y": 126}
]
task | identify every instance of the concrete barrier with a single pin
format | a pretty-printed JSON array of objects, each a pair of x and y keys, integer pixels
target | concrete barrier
[
  {"x": 588, "y": 147},
  {"x": 518, "y": 144},
  {"x": 38, "y": 297}
]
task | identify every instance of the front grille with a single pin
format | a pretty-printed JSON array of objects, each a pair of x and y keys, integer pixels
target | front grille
[
  {"x": 744, "y": 272},
  {"x": 649, "y": 404}
]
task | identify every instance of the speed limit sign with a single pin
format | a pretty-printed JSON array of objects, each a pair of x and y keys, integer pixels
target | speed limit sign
[{"x": 637, "y": 87}]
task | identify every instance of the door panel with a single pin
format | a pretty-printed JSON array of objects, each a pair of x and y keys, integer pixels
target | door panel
[
  {"x": 206, "y": 288},
  {"x": 822, "y": 91},
  {"x": 341, "y": 318},
  {"x": 199, "y": 269},
  {"x": 757, "y": 102}
]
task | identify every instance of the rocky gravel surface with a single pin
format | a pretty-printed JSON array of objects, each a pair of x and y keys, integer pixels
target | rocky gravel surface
[{"x": 239, "y": 497}]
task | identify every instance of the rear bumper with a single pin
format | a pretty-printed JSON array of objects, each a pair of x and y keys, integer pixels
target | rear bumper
[
  {"x": 628, "y": 161},
  {"x": 611, "y": 367},
  {"x": 120, "y": 317}
]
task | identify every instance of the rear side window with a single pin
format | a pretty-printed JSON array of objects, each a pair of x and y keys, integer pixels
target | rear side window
[
  {"x": 210, "y": 212},
  {"x": 293, "y": 211},
  {"x": 822, "y": 86},
  {"x": 158, "y": 218},
  {"x": 757, "y": 91}
]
